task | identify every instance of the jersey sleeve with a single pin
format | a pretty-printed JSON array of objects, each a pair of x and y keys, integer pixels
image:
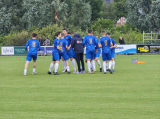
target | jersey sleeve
[
  {"x": 27, "y": 44},
  {"x": 84, "y": 41},
  {"x": 39, "y": 46},
  {"x": 100, "y": 42},
  {"x": 96, "y": 40},
  {"x": 66, "y": 43}
]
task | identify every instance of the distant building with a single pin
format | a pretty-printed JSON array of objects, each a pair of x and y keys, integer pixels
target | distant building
[{"x": 121, "y": 21}]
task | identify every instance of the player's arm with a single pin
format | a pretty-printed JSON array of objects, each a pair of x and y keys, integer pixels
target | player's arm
[
  {"x": 67, "y": 46},
  {"x": 84, "y": 41},
  {"x": 115, "y": 45},
  {"x": 111, "y": 44},
  {"x": 59, "y": 48},
  {"x": 27, "y": 44},
  {"x": 39, "y": 46},
  {"x": 99, "y": 44}
]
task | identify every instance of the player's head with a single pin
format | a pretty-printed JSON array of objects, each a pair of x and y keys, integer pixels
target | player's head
[
  {"x": 103, "y": 33},
  {"x": 46, "y": 38},
  {"x": 65, "y": 32},
  {"x": 34, "y": 35},
  {"x": 97, "y": 36},
  {"x": 108, "y": 34},
  {"x": 74, "y": 33},
  {"x": 62, "y": 35},
  {"x": 89, "y": 31},
  {"x": 92, "y": 33},
  {"x": 40, "y": 37},
  {"x": 69, "y": 33},
  {"x": 58, "y": 34}
]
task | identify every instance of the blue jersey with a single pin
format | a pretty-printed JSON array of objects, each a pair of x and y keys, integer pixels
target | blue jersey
[
  {"x": 56, "y": 43},
  {"x": 90, "y": 42},
  {"x": 114, "y": 42},
  {"x": 97, "y": 47},
  {"x": 34, "y": 46},
  {"x": 63, "y": 43},
  {"x": 105, "y": 42},
  {"x": 68, "y": 39}
]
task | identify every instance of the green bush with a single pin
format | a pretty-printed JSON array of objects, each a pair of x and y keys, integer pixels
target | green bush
[
  {"x": 129, "y": 34},
  {"x": 102, "y": 24},
  {"x": 16, "y": 38}
]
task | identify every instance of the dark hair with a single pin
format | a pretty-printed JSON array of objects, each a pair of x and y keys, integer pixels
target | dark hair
[
  {"x": 57, "y": 33},
  {"x": 108, "y": 34},
  {"x": 65, "y": 29},
  {"x": 74, "y": 32},
  {"x": 103, "y": 32},
  {"x": 69, "y": 32},
  {"x": 34, "y": 35},
  {"x": 62, "y": 34},
  {"x": 89, "y": 31}
]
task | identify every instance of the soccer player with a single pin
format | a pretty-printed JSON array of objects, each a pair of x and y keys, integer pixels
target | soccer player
[
  {"x": 34, "y": 46},
  {"x": 69, "y": 52},
  {"x": 105, "y": 43},
  {"x": 90, "y": 42},
  {"x": 113, "y": 52},
  {"x": 64, "y": 45},
  {"x": 97, "y": 55},
  {"x": 55, "y": 53}
]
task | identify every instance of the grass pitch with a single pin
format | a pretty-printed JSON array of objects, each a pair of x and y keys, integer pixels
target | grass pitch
[{"x": 131, "y": 92}]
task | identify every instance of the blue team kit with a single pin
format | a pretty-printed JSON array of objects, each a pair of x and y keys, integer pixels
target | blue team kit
[
  {"x": 90, "y": 42},
  {"x": 113, "y": 49},
  {"x": 34, "y": 46},
  {"x": 70, "y": 52},
  {"x": 106, "y": 51}
]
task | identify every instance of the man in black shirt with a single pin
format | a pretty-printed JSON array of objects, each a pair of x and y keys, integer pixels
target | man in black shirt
[
  {"x": 77, "y": 45},
  {"x": 121, "y": 41},
  {"x": 41, "y": 40}
]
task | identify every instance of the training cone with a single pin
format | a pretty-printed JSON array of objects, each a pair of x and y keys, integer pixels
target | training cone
[{"x": 139, "y": 62}]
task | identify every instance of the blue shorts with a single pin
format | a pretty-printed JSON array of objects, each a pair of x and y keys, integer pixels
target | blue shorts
[
  {"x": 64, "y": 55},
  {"x": 97, "y": 54},
  {"x": 70, "y": 53},
  {"x": 29, "y": 57},
  {"x": 113, "y": 54},
  {"x": 106, "y": 56},
  {"x": 55, "y": 56},
  {"x": 90, "y": 55},
  {"x": 74, "y": 55}
]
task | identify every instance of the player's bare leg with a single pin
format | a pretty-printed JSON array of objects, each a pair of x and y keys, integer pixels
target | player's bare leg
[
  {"x": 34, "y": 67},
  {"x": 99, "y": 63},
  {"x": 25, "y": 68},
  {"x": 67, "y": 64},
  {"x": 74, "y": 65}
]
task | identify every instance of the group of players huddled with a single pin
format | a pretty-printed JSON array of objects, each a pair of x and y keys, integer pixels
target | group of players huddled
[{"x": 62, "y": 50}]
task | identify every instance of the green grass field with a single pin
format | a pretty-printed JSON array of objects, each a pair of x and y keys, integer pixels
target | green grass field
[{"x": 132, "y": 92}]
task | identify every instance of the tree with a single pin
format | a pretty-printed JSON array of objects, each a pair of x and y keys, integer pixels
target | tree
[
  {"x": 102, "y": 24},
  {"x": 96, "y": 6},
  {"x": 144, "y": 14},
  {"x": 72, "y": 12},
  {"x": 114, "y": 10},
  {"x": 10, "y": 14}
]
